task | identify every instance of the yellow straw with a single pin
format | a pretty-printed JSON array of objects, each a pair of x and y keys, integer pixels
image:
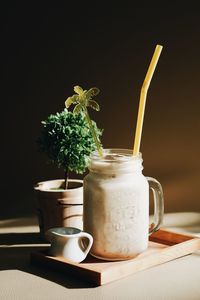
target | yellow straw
[{"x": 143, "y": 95}]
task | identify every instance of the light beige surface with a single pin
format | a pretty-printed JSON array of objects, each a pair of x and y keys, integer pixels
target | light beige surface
[{"x": 178, "y": 279}]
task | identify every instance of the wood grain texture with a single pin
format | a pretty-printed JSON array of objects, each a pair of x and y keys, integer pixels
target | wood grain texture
[{"x": 101, "y": 272}]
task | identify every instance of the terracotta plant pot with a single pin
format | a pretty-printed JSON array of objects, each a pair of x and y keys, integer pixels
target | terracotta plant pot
[{"x": 57, "y": 207}]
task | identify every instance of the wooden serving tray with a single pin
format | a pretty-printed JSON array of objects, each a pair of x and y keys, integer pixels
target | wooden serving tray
[{"x": 164, "y": 246}]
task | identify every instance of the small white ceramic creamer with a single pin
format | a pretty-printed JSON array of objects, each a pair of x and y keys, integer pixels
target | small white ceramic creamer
[{"x": 69, "y": 242}]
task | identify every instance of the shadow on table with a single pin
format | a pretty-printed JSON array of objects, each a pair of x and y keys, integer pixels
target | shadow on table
[
  {"x": 15, "y": 253},
  {"x": 20, "y": 238}
]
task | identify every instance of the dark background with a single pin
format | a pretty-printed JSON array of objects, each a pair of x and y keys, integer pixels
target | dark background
[{"x": 47, "y": 49}]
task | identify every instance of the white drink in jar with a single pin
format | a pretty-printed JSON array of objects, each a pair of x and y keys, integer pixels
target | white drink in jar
[{"x": 116, "y": 205}]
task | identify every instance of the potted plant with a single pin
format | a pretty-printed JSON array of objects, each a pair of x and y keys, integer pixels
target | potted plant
[{"x": 67, "y": 138}]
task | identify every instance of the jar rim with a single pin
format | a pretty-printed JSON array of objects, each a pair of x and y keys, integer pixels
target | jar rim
[{"x": 109, "y": 153}]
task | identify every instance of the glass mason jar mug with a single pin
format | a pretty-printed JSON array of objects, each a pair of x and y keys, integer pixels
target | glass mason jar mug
[{"x": 116, "y": 205}]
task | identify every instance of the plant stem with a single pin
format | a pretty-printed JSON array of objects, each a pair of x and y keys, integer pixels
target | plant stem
[
  {"x": 66, "y": 179},
  {"x": 99, "y": 148}
]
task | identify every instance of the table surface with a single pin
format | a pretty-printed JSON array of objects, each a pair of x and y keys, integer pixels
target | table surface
[{"x": 178, "y": 279}]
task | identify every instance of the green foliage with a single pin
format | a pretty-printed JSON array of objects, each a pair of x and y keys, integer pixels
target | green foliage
[
  {"x": 83, "y": 99},
  {"x": 67, "y": 140}
]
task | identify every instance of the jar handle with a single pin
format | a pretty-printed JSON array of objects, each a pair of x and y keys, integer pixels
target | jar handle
[{"x": 158, "y": 197}]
